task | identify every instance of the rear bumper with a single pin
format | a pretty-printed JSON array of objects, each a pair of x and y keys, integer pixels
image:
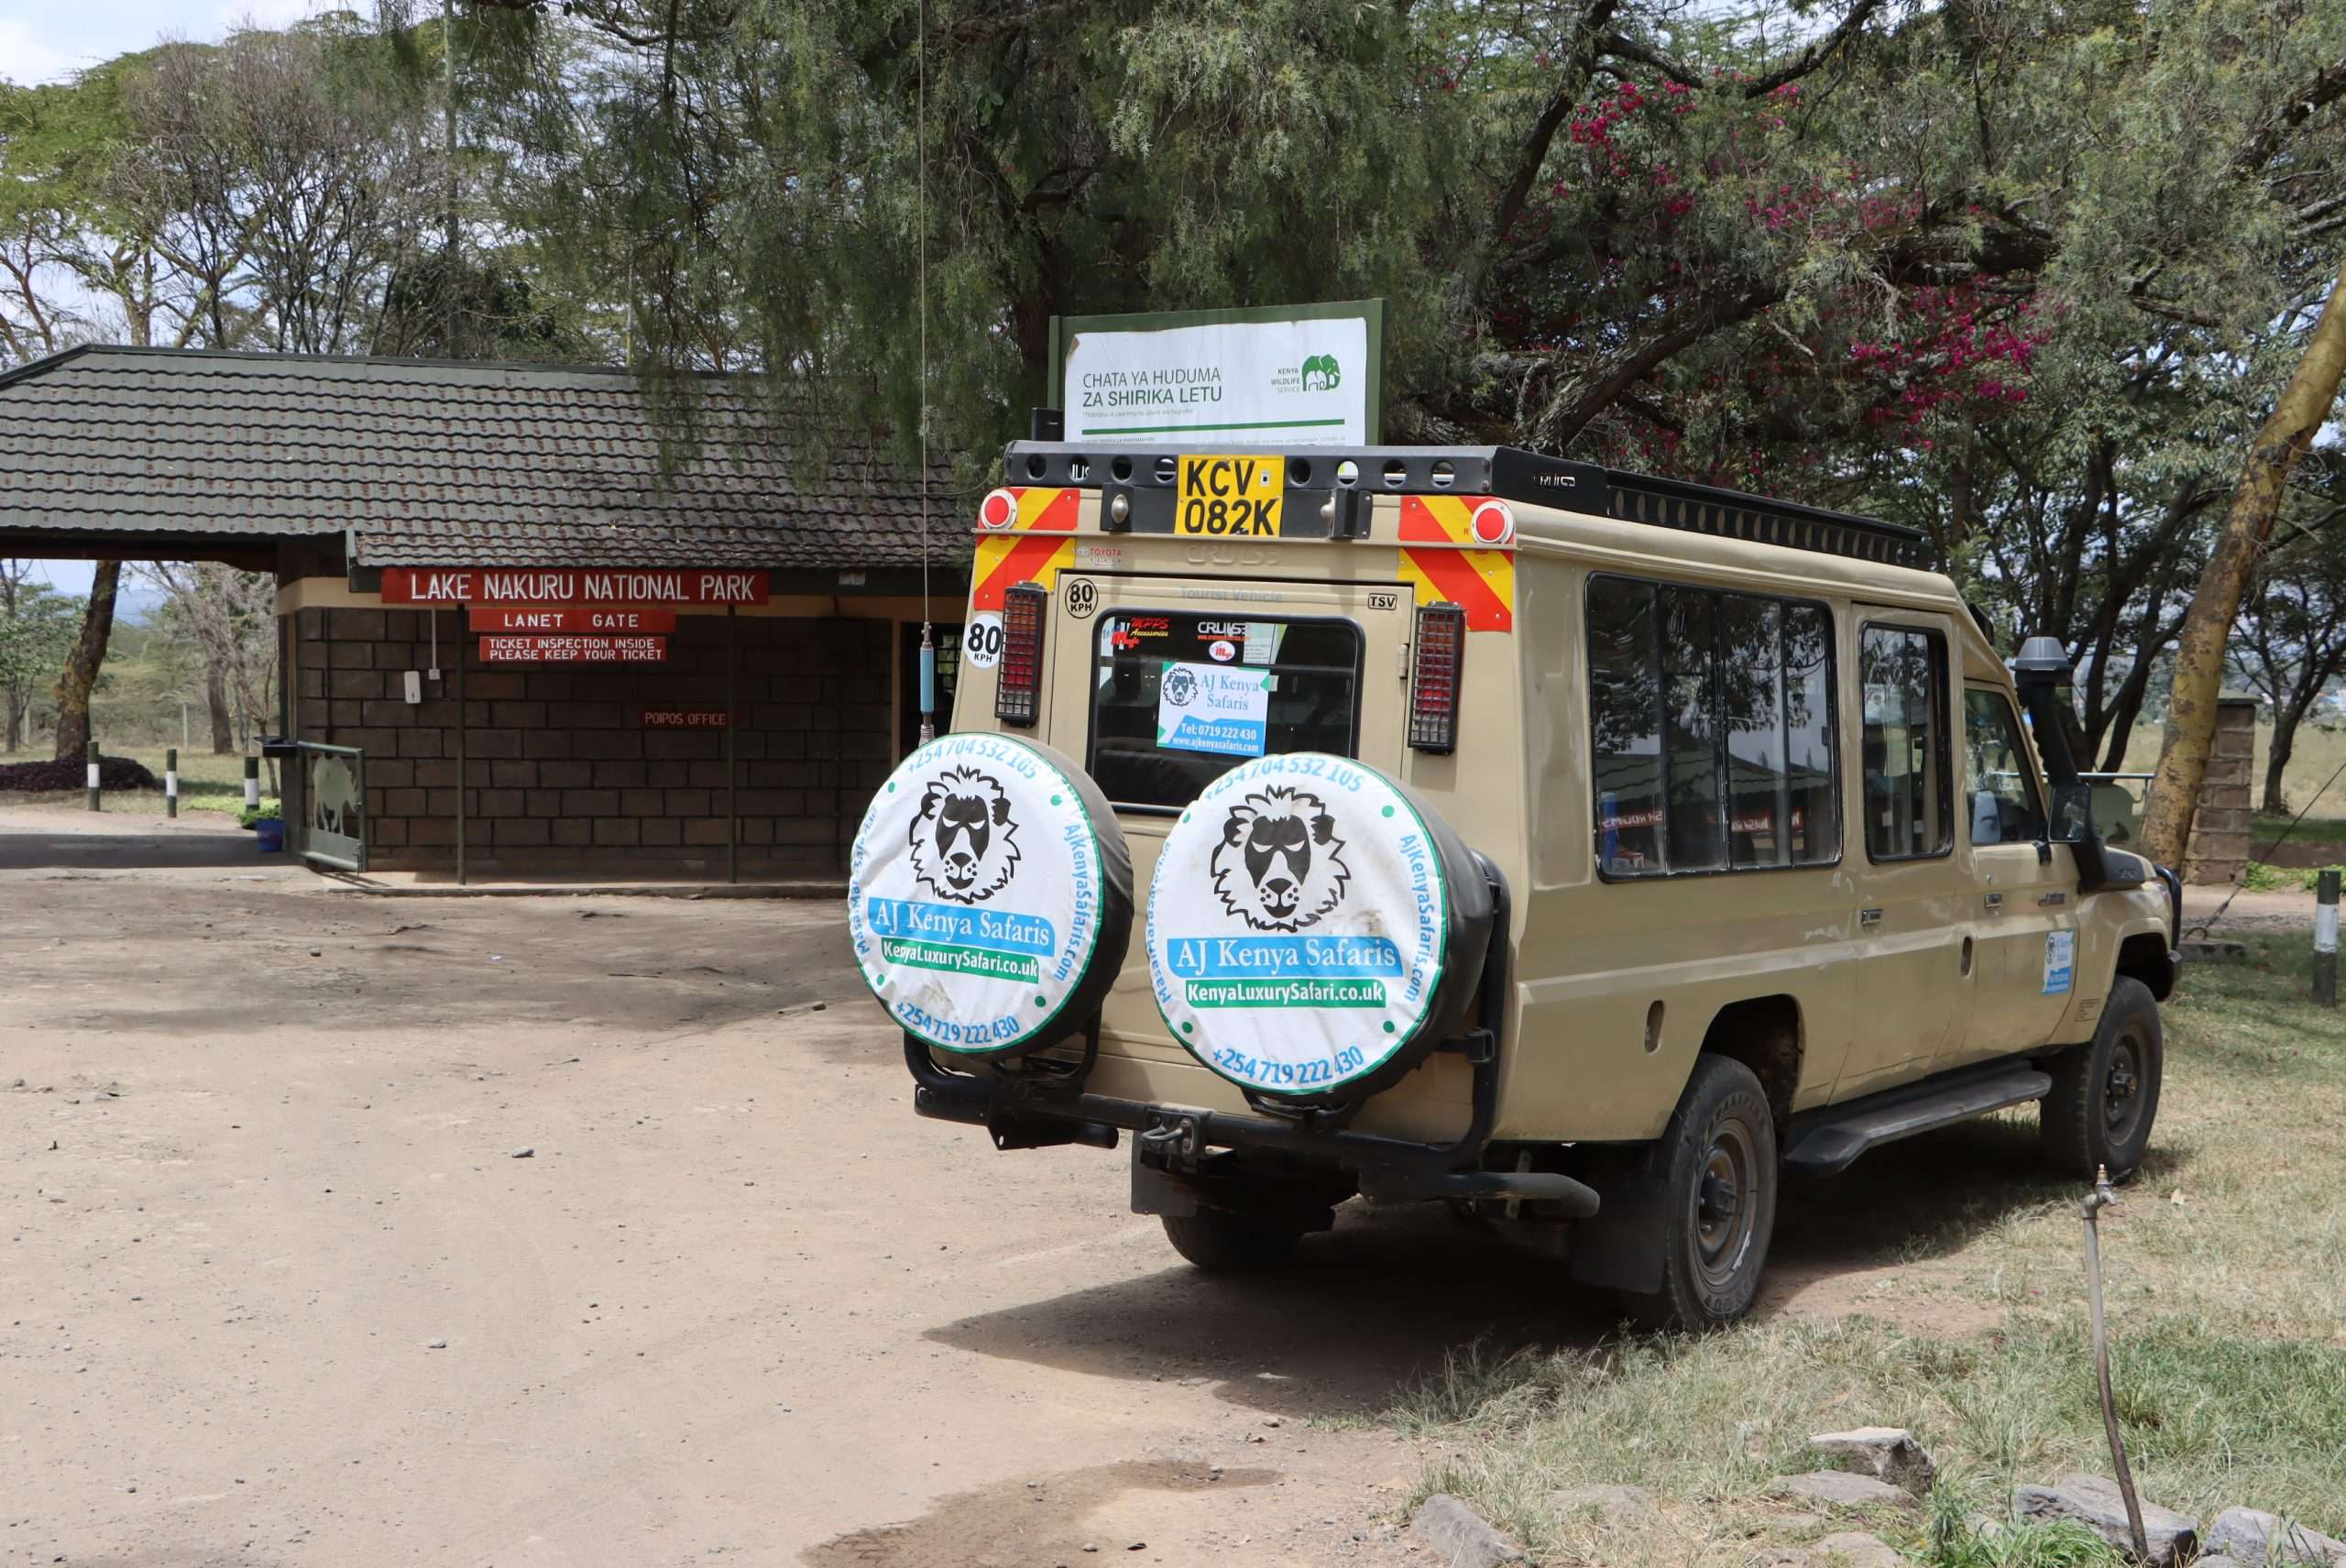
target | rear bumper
[{"x": 1023, "y": 1112}]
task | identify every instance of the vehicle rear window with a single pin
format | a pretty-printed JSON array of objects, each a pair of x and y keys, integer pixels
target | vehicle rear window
[
  {"x": 1711, "y": 719},
  {"x": 1180, "y": 699}
]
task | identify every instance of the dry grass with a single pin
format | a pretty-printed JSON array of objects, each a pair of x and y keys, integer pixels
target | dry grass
[{"x": 2227, "y": 1273}]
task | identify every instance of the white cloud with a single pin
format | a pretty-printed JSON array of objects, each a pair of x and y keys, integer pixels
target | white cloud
[{"x": 26, "y": 60}]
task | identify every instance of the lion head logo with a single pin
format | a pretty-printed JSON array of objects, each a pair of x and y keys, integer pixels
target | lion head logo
[
  {"x": 1279, "y": 866},
  {"x": 965, "y": 847}
]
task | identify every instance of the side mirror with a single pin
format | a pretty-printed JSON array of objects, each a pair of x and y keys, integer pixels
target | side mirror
[{"x": 2072, "y": 813}]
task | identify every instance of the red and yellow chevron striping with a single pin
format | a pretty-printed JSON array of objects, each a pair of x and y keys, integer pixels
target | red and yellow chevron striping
[
  {"x": 1033, "y": 546},
  {"x": 1482, "y": 581}
]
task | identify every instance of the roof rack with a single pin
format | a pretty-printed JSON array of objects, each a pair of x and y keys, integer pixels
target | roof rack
[{"x": 1506, "y": 471}]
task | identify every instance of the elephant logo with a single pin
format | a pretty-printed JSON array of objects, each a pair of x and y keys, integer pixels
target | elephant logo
[{"x": 1321, "y": 374}]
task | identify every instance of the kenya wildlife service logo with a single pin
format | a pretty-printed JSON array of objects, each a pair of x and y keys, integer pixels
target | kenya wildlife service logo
[
  {"x": 1279, "y": 866},
  {"x": 1321, "y": 374},
  {"x": 964, "y": 844}
]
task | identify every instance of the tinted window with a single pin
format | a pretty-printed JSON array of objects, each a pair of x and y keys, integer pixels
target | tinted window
[
  {"x": 1999, "y": 779},
  {"x": 1179, "y": 699},
  {"x": 1909, "y": 809},
  {"x": 1712, "y": 721}
]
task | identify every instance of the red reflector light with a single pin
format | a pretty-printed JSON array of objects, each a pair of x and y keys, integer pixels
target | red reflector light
[
  {"x": 1494, "y": 523},
  {"x": 1436, "y": 659},
  {"x": 1018, "y": 682},
  {"x": 999, "y": 510}
]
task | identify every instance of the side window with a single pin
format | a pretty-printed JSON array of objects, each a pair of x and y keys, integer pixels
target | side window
[
  {"x": 1999, "y": 777},
  {"x": 1711, "y": 716},
  {"x": 1908, "y": 792}
]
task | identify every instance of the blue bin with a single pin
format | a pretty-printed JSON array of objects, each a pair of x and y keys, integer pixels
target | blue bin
[{"x": 271, "y": 833}]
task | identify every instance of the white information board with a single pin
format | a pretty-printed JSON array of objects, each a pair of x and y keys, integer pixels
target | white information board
[{"x": 1311, "y": 378}]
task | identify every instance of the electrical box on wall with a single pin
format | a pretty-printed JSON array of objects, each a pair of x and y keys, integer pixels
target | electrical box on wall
[{"x": 414, "y": 686}]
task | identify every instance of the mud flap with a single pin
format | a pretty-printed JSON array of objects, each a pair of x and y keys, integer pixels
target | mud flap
[{"x": 1621, "y": 1247}]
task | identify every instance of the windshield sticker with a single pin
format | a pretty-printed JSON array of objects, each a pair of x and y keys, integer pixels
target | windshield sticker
[
  {"x": 2060, "y": 963},
  {"x": 1209, "y": 708}
]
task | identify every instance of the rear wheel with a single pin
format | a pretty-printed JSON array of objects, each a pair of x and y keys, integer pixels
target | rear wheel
[
  {"x": 1719, "y": 1173},
  {"x": 1221, "y": 1241},
  {"x": 2106, "y": 1095}
]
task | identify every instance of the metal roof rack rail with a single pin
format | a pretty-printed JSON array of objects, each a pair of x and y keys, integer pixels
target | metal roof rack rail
[{"x": 1506, "y": 471}]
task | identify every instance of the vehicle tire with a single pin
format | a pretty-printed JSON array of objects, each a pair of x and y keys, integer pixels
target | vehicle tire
[
  {"x": 1718, "y": 1166},
  {"x": 1221, "y": 1241},
  {"x": 2106, "y": 1095}
]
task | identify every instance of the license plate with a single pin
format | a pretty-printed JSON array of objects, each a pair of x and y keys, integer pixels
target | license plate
[{"x": 1228, "y": 497}]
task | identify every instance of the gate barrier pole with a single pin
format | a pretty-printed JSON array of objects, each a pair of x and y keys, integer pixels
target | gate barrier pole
[
  {"x": 170, "y": 781},
  {"x": 252, "y": 784},
  {"x": 94, "y": 775}
]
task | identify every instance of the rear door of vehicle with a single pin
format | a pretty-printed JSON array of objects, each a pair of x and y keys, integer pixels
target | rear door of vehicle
[
  {"x": 1159, "y": 685},
  {"x": 1912, "y": 919}
]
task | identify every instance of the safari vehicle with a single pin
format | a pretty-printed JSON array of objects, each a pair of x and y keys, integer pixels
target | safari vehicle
[{"x": 1587, "y": 849}]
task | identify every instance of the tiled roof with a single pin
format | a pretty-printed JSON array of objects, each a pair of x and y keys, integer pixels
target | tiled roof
[{"x": 431, "y": 464}]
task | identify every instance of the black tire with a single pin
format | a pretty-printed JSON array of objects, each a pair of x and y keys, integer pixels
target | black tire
[
  {"x": 1221, "y": 1241},
  {"x": 1717, "y": 1161},
  {"x": 2106, "y": 1095}
]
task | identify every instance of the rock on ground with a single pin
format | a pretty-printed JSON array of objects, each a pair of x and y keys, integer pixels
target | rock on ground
[
  {"x": 2256, "y": 1538},
  {"x": 1889, "y": 1454},
  {"x": 2094, "y": 1501},
  {"x": 1857, "y": 1551},
  {"x": 1843, "y": 1489},
  {"x": 1460, "y": 1537}
]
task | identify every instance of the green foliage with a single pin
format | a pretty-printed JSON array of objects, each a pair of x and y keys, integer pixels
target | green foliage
[
  {"x": 2262, "y": 878},
  {"x": 270, "y": 809}
]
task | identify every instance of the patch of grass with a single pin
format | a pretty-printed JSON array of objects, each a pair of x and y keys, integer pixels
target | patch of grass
[
  {"x": 2326, "y": 829},
  {"x": 2261, "y": 878},
  {"x": 207, "y": 783},
  {"x": 2226, "y": 1270}
]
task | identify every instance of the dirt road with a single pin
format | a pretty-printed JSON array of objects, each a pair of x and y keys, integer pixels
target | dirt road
[{"x": 277, "y": 1288}]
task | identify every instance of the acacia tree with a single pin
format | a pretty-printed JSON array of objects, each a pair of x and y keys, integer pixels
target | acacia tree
[
  {"x": 228, "y": 616},
  {"x": 36, "y": 627},
  {"x": 2290, "y": 644}
]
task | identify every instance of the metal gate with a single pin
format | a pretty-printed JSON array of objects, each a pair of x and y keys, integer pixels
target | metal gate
[{"x": 333, "y": 804}]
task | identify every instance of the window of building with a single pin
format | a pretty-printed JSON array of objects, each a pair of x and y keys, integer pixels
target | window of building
[
  {"x": 1180, "y": 699},
  {"x": 1908, "y": 791},
  {"x": 2000, "y": 778},
  {"x": 1711, "y": 716}
]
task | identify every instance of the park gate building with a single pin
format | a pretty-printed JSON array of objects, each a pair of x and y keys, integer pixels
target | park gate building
[{"x": 543, "y": 648}]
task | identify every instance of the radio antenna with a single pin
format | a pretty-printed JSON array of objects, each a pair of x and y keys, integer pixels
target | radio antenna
[{"x": 920, "y": 144}]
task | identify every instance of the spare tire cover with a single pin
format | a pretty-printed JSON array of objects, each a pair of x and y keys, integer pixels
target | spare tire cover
[
  {"x": 1314, "y": 926},
  {"x": 989, "y": 895}
]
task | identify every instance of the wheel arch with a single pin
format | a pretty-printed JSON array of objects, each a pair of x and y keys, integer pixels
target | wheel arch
[
  {"x": 2144, "y": 957},
  {"x": 1765, "y": 1033}
]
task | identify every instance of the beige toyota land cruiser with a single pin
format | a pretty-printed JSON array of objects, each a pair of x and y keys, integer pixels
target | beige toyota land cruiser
[{"x": 1583, "y": 848}]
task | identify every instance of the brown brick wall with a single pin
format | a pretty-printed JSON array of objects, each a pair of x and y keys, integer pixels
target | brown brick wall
[{"x": 560, "y": 773}]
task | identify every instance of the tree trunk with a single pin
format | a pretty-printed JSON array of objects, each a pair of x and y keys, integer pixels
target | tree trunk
[
  {"x": 81, "y": 677},
  {"x": 2284, "y": 741},
  {"x": 2199, "y": 653},
  {"x": 216, "y": 698},
  {"x": 15, "y": 721}
]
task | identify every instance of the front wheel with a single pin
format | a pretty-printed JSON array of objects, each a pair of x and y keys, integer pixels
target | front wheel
[
  {"x": 1221, "y": 1241},
  {"x": 1718, "y": 1168},
  {"x": 2106, "y": 1095}
]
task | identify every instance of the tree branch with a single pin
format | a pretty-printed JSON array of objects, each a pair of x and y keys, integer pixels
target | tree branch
[
  {"x": 1816, "y": 54},
  {"x": 2328, "y": 85}
]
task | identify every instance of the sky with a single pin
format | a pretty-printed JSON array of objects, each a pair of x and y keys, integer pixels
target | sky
[
  {"x": 45, "y": 41},
  {"x": 48, "y": 41}
]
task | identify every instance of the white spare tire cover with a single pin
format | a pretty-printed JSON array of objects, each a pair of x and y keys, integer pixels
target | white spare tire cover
[
  {"x": 1314, "y": 927},
  {"x": 989, "y": 895}
]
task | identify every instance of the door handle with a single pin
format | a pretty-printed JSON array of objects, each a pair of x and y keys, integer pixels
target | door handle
[{"x": 1868, "y": 916}]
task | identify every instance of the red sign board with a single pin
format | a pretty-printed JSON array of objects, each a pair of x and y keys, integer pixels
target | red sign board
[
  {"x": 619, "y": 620},
  {"x": 568, "y": 586},
  {"x": 561, "y": 650},
  {"x": 685, "y": 718}
]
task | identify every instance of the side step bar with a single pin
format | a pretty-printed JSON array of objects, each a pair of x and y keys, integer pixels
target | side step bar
[{"x": 1825, "y": 1142}]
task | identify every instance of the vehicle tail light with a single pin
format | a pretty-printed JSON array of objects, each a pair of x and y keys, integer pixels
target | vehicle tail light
[
  {"x": 1018, "y": 685},
  {"x": 1435, "y": 662}
]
